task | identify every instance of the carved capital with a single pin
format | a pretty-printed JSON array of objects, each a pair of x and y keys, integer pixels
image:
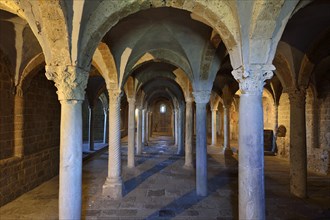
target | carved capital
[
  {"x": 189, "y": 99},
  {"x": 202, "y": 96},
  {"x": 70, "y": 81},
  {"x": 115, "y": 95},
  {"x": 214, "y": 109},
  {"x": 251, "y": 78},
  {"x": 131, "y": 101},
  {"x": 297, "y": 97}
]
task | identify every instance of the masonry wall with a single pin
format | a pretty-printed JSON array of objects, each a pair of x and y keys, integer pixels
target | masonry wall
[
  {"x": 98, "y": 121},
  {"x": 40, "y": 160},
  {"x": 283, "y": 143},
  {"x": 318, "y": 140},
  {"x": 6, "y": 113},
  {"x": 162, "y": 122}
]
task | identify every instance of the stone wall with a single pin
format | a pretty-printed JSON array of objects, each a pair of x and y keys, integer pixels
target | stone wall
[
  {"x": 98, "y": 121},
  {"x": 318, "y": 152},
  {"x": 162, "y": 122},
  {"x": 6, "y": 113},
  {"x": 283, "y": 143},
  {"x": 41, "y": 132},
  {"x": 41, "y": 116}
]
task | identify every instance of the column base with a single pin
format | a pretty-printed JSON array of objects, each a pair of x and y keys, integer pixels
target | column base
[
  {"x": 188, "y": 167},
  {"x": 229, "y": 159},
  {"x": 113, "y": 188}
]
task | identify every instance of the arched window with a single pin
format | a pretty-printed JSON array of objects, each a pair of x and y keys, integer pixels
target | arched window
[{"x": 162, "y": 108}]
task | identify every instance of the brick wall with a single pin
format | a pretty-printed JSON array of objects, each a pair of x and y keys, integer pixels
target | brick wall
[
  {"x": 6, "y": 113},
  {"x": 40, "y": 161}
]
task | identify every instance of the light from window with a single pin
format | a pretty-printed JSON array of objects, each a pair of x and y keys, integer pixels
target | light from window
[{"x": 162, "y": 108}]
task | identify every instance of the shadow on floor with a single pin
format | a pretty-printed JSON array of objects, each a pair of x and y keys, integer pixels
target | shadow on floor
[
  {"x": 131, "y": 184},
  {"x": 226, "y": 178}
]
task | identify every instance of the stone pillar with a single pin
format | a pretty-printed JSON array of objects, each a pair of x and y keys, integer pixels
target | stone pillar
[
  {"x": 19, "y": 124},
  {"x": 105, "y": 125},
  {"x": 91, "y": 128},
  {"x": 298, "y": 150},
  {"x": 275, "y": 126},
  {"x": 143, "y": 132},
  {"x": 147, "y": 128},
  {"x": 139, "y": 132},
  {"x": 131, "y": 133},
  {"x": 251, "y": 150},
  {"x": 201, "y": 99},
  {"x": 214, "y": 126},
  {"x": 150, "y": 125},
  {"x": 180, "y": 150},
  {"x": 226, "y": 127},
  {"x": 172, "y": 124},
  {"x": 176, "y": 127},
  {"x": 113, "y": 186},
  {"x": 189, "y": 130},
  {"x": 71, "y": 83}
]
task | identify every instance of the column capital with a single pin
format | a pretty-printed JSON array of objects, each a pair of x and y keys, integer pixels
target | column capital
[
  {"x": 214, "y": 109},
  {"x": 131, "y": 100},
  {"x": 297, "y": 96},
  {"x": 70, "y": 81},
  {"x": 202, "y": 96},
  {"x": 189, "y": 99},
  {"x": 252, "y": 77},
  {"x": 114, "y": 95}
]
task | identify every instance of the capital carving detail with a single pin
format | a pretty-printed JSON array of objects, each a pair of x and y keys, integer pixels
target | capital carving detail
[
  {"x": 70, "y": 81},
  {"x": 202, "y": 96},
  {"x": 297, "y": 97},
  {"x": 189, "y": 99},
  {"x": 115, "y": 95},
  {"x": 251, "y": 78}
]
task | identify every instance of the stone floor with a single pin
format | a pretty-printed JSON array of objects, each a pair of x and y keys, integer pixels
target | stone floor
[{"x": 160, "y": 188}]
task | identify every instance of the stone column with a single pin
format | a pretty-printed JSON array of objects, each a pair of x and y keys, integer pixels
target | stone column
[
  {"x": 147, "y": 128},
  {"x": 143, "y": 127},
  {"x": 226, "y": 127},
  {"x": 105, "y": 125},
  {"x": 275, "y": 126},
  {"x": 214, "y": 126},
  {"x": 71, "y": 82},
  {"x": 19, "y": 123},
  {"x": 298, "y": 150},
  {"x": 201, "y": 99},
  {"x": 172, "y": 124},
  {"x": 139, "y": 132},
  {"x": 251, "y": 151},
  {"x": 113, "y": 186},
  {"x": 189, "y": 130},
  {"x": 176, "y": 127},
  {"x": 180, "y": 150},
  {"x": 91, "y": 128},
  {"x": 131, "y": 133}
]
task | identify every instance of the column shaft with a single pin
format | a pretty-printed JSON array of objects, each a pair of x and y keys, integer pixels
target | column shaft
[
  {"x": 70, "y": 160},
  {"x": 113, "y": 184},
  {"x": 139, "y": 133},
  {"x": 189, "y": 131},
  {"x": 298, "y": 150},
  {"x": 226, "y": 128},
  {"x": 251, "y": 158},
  {"x": 201, "y": 150},
  {"x": 91, "y": 128},
  {"x": 275, "y": 127},
  {"x": 19, "y": 124},
  {"x": 105, "y": 126},
  {"x": 143, "y": 127},
  {"x": 180, "y": 131},
  {"x": 176, "y": 127},
  {"x": 131, "y": 133},
  {"x": 214, "y": 127}
]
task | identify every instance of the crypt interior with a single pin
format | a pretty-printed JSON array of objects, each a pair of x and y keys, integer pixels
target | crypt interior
[{"x": 164, "y": 109}]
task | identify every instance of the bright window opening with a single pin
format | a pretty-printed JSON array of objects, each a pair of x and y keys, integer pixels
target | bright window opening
[{"x": 162, "y": 108}]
